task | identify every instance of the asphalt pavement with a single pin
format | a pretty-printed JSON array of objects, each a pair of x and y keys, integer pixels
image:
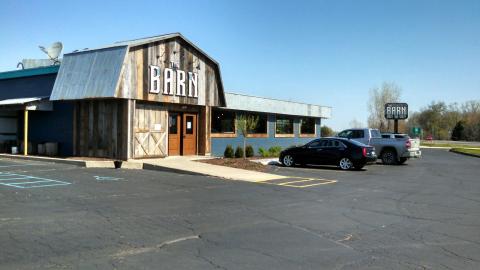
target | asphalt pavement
[{"x": 423, "y": 215}]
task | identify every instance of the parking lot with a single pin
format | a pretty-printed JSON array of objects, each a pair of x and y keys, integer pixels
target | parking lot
[{"x": 423, "y": 215}]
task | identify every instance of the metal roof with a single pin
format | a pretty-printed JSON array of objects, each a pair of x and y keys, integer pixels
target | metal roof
[
  {"x": 28, "y": 72},
  {"x": 269, "y": 105},
  {"x": 89, "y": 74},
  {"x": 80, "y": 75},
  {"x": 146, "y": 40}
]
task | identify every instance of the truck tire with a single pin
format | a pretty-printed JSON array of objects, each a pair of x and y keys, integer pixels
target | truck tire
[
  {"x": 402, "y": 160},
  {"x": 389, "y": 157}
]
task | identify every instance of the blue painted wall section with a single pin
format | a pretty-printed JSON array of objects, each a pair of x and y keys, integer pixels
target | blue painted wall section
[
  {"x": 219, "y": 144},
  {"x": 34, "y": 86},
  {"x": 51, "y": 126}
]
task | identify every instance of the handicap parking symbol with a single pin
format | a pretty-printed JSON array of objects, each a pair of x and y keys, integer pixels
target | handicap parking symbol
[{"x": 106, "y": 178}]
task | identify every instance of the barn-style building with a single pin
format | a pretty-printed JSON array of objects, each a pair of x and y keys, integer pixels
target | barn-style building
[{"x": 150, "y": 97}]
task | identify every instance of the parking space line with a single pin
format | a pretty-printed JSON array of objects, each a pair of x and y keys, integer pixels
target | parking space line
[
  {"x": 312, "y": 185},
  {"x": 40, "y": 186},
  {"x": 299, "y": 181},
  {"x": 303, "y": 182},
  {"x": 22, "y": 183},
  {"x": 16, "y": 178},
  {"x": 29, "y": 181}
]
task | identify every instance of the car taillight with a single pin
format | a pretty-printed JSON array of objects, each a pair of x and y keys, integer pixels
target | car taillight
[
  {"x": 364, "y": 152},
  {"x": 408, "y": 144}
]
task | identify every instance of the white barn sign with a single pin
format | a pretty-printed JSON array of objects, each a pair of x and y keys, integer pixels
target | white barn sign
[{"x": 169, "y": 87}]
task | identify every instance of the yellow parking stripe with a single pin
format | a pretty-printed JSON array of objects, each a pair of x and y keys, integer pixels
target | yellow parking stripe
[
  {"x": 311, "y": 185},
  {"x": 307, "y": 182},
  {"x": 299, "y": 181}
]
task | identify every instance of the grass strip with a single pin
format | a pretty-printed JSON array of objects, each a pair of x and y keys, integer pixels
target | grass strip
[{"x": 470, "y": 152}]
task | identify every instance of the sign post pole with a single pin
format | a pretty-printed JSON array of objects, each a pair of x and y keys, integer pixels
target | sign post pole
[{"x": 395, "y": 126}]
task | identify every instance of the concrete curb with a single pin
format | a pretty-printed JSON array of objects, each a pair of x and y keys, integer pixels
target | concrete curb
[
  {"x": 80, "y": 163},
  {"x": 131, "y": 165},
  {"x": 465, "y": 154},
  {"x": 100, "y": 164},
  {"x": 152, "y": 167}
]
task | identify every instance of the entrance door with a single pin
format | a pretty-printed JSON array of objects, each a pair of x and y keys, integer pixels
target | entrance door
[
  {"x": 189, "y": 134},
  {"x": 174, "y": 134}
]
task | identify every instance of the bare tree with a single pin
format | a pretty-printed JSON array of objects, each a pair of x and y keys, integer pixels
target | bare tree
[
  {"x": 245, "y": 124},
  {"x": 356, "y": 124},
  {"x": 388, "y": 92}
]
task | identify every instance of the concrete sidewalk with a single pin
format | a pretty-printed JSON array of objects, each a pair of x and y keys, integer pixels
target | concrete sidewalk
[{"x": 187, "y": 164}]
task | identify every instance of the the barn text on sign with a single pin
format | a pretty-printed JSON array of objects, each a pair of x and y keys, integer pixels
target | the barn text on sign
[
  {"x": 396, "y": 111},
  {"x": 169, "y": 87}
]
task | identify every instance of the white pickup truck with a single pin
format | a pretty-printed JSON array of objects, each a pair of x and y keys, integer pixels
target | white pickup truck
[{"x": 391, "y": 148}]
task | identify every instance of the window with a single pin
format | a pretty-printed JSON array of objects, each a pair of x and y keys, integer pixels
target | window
[
  {"x": 307, "y": 125},
  {"x": 172, "y": 123},
  {"x": 189, "y": 126},
  {"x": 357, "y": 134},
  {"x": 351, "y": 134},
  {"x": 375, "y": 133},
  {"x": 284, "y": 125},
  {"x": 315, "y": 144},
  {"x": 223, "y": 121},
  {"x": 261, "y": 127}
]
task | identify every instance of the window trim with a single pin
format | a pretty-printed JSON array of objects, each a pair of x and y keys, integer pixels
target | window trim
[
  {"x": 285, "y": 135},
  {"x": 224, "y": 134},
  {"x": 259, "y": 135},
  {"x": 307, "y": 135}
]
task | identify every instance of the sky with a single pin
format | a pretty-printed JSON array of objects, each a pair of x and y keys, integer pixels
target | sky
[{"x": 330, "y": 53}]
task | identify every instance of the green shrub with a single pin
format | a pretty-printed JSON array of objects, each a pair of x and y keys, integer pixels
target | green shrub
[
  {"x": 249, "y": 151},
  {"x": 228, "y": 153},
  {"x": 262, "y": 152},
  {"x": 274, "y": 151},
  {"x": 239, "y": 152}
]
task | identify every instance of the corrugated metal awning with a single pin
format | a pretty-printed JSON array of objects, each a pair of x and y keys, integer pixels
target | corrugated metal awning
[
  {"x": 269, "y": 105},
  {"x": 20, "y": 101},
  {"x": 28, "y": 103}
]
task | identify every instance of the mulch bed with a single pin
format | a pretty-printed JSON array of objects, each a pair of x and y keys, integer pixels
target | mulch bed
[{"x": 239, "y": 163}]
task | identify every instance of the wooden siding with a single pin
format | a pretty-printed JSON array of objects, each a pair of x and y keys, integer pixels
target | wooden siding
[
  {"x": 134, "y": 81},
  {"x": 150, "y": 131},
  {"x": 101, "y": 129}
]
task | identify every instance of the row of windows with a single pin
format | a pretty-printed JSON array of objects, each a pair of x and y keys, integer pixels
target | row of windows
[{"x": 224, "y": 122}]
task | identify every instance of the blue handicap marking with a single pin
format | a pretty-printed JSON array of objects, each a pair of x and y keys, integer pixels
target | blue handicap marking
[
  {"x": 27, "y": 181},
  {"x": 106, "y": 178}
]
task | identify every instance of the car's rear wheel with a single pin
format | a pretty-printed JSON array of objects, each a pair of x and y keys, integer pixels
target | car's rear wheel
[
  {"x": 402, "y": 160},
  {"x": 389, "y": 157},
  {"x": 288, "y": 161},
  {"x": 345, "y": 164}
]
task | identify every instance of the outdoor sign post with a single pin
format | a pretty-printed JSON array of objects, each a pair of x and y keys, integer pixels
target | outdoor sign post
[{"x": 396, "y": 111}]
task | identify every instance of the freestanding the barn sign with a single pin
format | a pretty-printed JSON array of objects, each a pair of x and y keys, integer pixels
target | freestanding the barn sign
[{"x": 396, "y": 111}]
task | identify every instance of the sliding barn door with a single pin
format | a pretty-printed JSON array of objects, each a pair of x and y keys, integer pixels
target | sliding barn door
[{"x": 150, "y": 131}]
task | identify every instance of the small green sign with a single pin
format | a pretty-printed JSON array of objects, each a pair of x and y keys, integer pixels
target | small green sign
[{"x": 416, "y": 130}]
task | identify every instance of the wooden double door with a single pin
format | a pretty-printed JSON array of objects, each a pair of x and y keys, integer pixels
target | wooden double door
[{"x": 182, "y": 134}]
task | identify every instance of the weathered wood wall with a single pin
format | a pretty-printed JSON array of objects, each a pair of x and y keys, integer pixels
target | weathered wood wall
[
  {"x": 204, "y": 131},
  {"x": 134, "y": 81},
  {"x": 101, "y": 129}
]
